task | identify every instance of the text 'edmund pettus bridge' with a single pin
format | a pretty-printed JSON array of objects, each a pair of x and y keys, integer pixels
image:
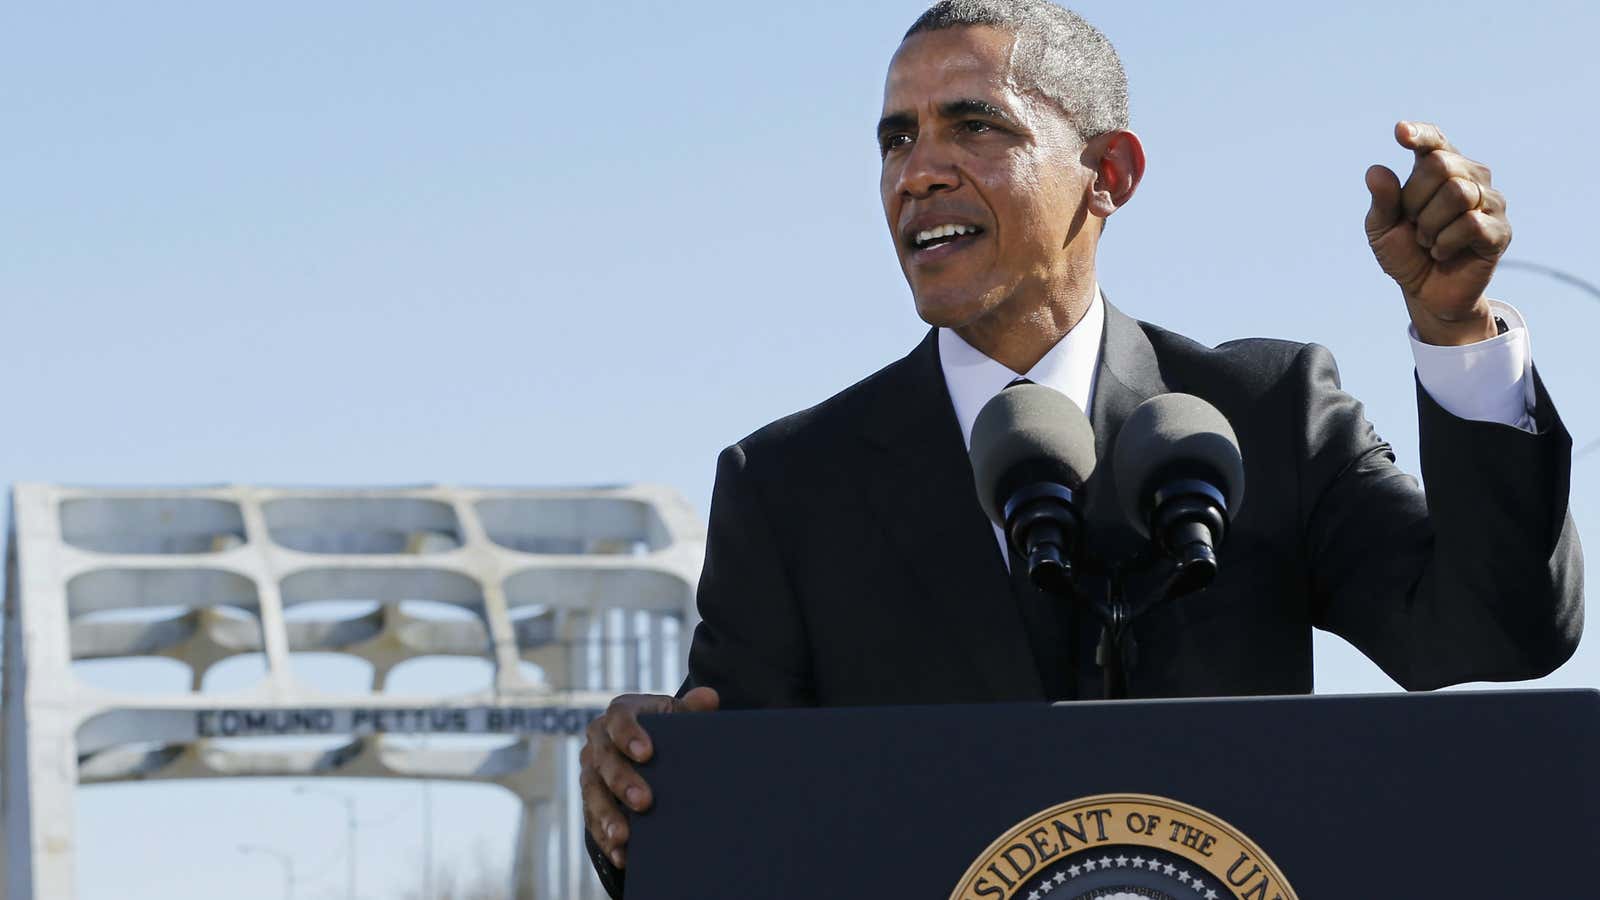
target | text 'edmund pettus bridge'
[{"x": 228, "y": 722}]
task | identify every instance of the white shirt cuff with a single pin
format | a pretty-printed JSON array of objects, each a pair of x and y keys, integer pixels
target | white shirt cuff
[{"x": 1490, "y": 381}]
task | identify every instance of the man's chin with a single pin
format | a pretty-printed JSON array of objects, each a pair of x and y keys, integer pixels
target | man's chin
[{"x": 948, "y": 312}]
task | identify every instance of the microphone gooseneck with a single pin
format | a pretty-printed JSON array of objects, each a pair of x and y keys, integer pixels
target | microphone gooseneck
[
  {"x": 1180, "y": 480},
  {"x": 1032, "y": 450}
]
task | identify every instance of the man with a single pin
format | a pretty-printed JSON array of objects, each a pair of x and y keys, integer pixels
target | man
[{"x": 848, "y": 561}]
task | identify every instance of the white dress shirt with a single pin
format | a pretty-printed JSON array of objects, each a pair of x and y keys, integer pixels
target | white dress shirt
[{"x": 1490, "y": 381}]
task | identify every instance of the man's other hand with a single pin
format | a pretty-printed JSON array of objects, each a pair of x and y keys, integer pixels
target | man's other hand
[
  {"x": 1439, "y": 236},
  {"x": 608, "y": 778}
]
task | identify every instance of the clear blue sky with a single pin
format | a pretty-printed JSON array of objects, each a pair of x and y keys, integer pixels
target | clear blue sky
[{"x": 378, "y": 243}]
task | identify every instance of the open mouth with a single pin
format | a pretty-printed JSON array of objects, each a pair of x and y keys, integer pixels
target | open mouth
[{"x": 944, "y": 236}]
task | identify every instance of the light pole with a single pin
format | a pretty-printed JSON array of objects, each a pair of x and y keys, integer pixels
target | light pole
[
  {"x": 350, "y": 820},
  {"x": 283, "y": 859},
  {"x": 427, "y": 833}
]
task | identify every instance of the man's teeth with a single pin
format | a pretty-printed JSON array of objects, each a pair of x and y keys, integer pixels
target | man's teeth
[{"x": 944, "y": 231}]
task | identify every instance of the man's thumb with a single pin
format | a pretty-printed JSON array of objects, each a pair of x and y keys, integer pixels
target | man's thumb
[
  {"x": 701, "y": 699},
  {"x": 1386, "y": 210}
]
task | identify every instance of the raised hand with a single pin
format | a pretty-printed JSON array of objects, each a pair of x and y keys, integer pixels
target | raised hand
[
  {"x": 1439, "y": 236},
  {"x": 608, "y": 778}
]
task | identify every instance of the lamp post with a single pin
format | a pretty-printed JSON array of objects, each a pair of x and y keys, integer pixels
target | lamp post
[
  {"x": 427, "y": 841},
  {"x": 350, "y": 821},
  {"x": 283, "y": 859},
  {"x": 427, "y": 833}
]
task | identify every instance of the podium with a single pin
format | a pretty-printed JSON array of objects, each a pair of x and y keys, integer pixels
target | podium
[{"x": 1450, "y": 795}]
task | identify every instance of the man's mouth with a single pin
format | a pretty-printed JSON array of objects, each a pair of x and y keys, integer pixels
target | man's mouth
[{"x": 941, "y": 240}]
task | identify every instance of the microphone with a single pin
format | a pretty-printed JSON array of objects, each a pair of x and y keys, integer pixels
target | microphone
[
  {"x": 1032, "y": 450},
  {"x": 1180, "y": 480}
]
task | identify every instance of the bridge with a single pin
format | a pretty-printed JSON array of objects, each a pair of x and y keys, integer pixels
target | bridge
[{"x": 573, "y": 596}]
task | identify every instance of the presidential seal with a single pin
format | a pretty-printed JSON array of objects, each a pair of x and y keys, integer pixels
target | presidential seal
[{"x": 1123, "y": 847}]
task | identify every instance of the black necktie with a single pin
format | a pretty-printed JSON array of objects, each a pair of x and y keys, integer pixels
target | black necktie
[
  {"x": 1051, "y": 636},
  {"x": 1049, "y": 622}
]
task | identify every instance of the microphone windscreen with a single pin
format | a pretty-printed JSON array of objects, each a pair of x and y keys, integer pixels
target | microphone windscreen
[
  {"x": 1175, "y": 436},
  {"x": 1029, "y": 433}
]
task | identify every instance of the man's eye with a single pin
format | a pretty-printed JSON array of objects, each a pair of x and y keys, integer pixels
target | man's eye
[
  {"x": 974, "y": 126},
  {"x": 894, "y": 142}
]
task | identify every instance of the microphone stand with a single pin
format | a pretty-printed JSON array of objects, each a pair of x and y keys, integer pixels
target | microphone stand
[
  {"x": 1114, "y": 654},
  {"x": 1117, "y": 651}
]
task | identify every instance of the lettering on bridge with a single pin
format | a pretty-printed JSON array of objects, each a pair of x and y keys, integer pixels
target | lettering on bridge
[{"x": 529, "y": 720}]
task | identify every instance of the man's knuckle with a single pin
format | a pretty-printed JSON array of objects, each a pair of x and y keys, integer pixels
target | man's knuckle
[
  {"x": 1458, "y": 166},
  {"x": 618, "y": 730},
  {"x": 628, "y": 704},
  {"x": 1491, "y": 229}
]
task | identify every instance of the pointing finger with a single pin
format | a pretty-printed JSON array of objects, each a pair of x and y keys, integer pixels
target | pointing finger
[
  {"x": 1423, "y": 137},
  {"x": 1433, "y": 171}
]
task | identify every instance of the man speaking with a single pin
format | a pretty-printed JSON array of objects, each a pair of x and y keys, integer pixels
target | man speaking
[{"x": 849, "y": 562}]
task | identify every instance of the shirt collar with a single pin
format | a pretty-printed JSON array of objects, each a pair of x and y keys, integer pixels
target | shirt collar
[{"x": 1069, "y": 367}]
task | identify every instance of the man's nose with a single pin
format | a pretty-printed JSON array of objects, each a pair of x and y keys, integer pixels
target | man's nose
[{"x": 928, "y": 169}]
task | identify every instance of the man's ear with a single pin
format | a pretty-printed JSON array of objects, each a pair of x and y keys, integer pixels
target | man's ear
[{"x": 1117, "y": 158}]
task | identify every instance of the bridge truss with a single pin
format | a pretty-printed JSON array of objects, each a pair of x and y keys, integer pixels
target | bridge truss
[{"x": 593, "y": 588}]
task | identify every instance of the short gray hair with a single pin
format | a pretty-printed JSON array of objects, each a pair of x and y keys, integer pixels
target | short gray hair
[{"x": 1064, "y": 57}]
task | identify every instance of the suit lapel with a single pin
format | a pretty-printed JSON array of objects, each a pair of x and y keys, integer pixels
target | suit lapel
[
  {"x": 922, "y": 491},
  {"x": 1128, "y": 375}
]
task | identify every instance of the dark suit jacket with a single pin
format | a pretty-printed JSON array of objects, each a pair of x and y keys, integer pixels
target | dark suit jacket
[{"x": 848, "y": 561}]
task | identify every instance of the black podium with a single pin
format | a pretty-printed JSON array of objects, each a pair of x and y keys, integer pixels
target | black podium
[{"x": 1453, "y": 795}]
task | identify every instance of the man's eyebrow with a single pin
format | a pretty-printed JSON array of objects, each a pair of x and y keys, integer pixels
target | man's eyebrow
[
  {"x": 954, "y": 109},
  {"x": 967, "y": 106}
]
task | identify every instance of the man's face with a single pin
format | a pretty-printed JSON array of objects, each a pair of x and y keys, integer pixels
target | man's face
[{"x": 965, "y": 144}]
